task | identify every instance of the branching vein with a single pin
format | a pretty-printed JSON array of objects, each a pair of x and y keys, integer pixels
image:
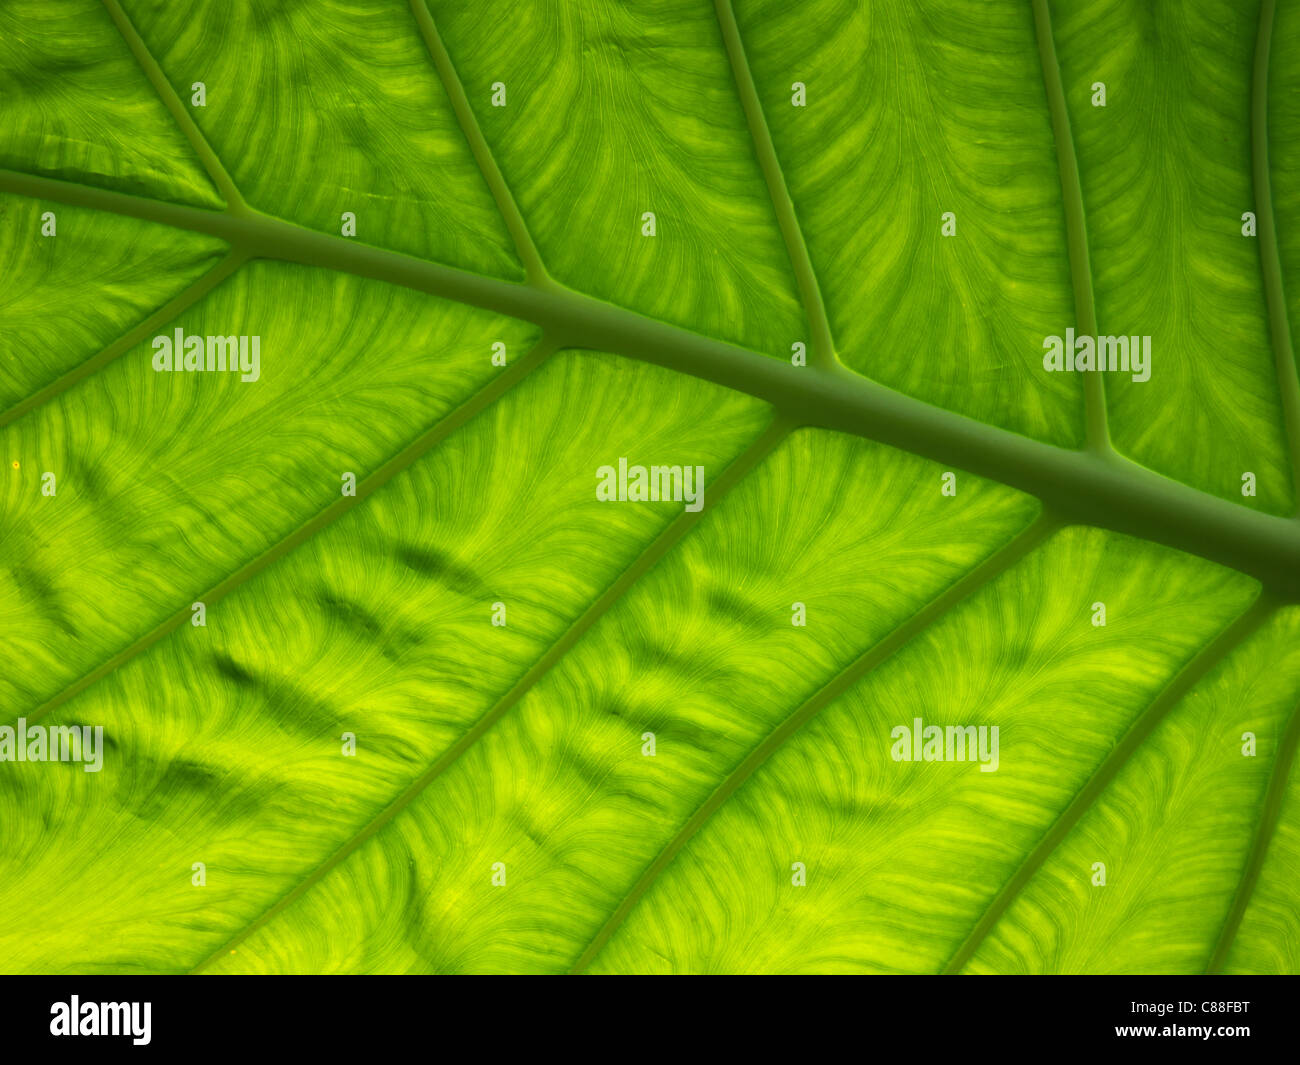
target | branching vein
[
  {"x": 977, "y": 578},
  {"x": 1206, "y": 659},
  {"x": 1094, "y": 487},
  {"x": 821, "y": 345},
  {"x": 1269, "y": 257},
  {"x": 1076, "y": 228},
  {"x": 177, "y": 305},
  {"x": 1084, "y": 486},
  {"x": 365, "y": 488},
  {"x": 657, "y": 548},
  {"x": 496, "y": 182},
  {"x": 1268, "y": 818},
  {"x": 212, "y": 164}
]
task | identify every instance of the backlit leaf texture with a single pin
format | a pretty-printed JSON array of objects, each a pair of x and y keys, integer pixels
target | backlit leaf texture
[{"x": 811, "y": 248}]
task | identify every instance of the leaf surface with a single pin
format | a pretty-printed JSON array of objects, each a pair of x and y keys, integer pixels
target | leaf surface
[{"x": 642, "y": 736}]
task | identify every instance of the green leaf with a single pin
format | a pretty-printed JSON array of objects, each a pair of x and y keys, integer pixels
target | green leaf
[{"x": 387, "y": 683}]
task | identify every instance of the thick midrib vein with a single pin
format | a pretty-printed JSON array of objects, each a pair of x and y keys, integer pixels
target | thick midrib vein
[
  {"x": 536, "y": 275},
  {"x": 1183, "y": 681},
  {"x": 1268, "y": 818},
  {"x": 821, "y": 345},
  {"x": 1076, "y": 226},
  {"x": 654, "y": 551},
  {"x": 1089, "y": 488},
  {"x": 237, "y": 255},
  {"x": 1270, "y": 261},
  {"x": 997, "y": 563},
  {"x": 365, "y": 488}
]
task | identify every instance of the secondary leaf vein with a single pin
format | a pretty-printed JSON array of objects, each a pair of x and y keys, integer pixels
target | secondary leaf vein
[
  {"x": 211, "y": 163},
  {"x": 821, "y": 345},
  {"x": 534, "y": 269},
  {"x": 178, "y": 304},
  {"x": 1268, "y": 819},
  {"x": 1269, "y": 257},
  {"x": 661, "y": 545},
  {"x": 1076, "y": 227},
  {"x": 1182, "y": 682},
  {"x": 999, "y": 562},
  {"x": 365, "y": 488}
]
